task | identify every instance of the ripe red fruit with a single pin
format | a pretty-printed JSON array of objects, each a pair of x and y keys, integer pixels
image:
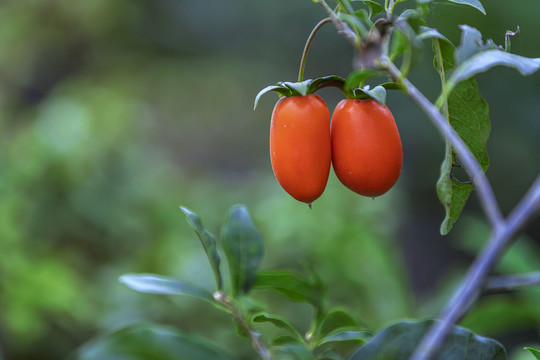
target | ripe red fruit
[
  {"x": 300, "y": 149},
  {"x": 366, "y": 147}
]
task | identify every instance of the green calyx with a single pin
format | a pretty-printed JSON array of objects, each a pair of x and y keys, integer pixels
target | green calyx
[{"x": 286, "y": 88}]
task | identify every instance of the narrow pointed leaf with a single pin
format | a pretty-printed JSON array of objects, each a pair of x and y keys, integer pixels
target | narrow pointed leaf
[
  {"x": 281, "y": 90},
  {"x": 144, "y": 342},
  {"x": 534, "y": 352},
  {"x": 244, "y": 248},
  {"x": 326, "y": 81},
  {"x": 398, "y": 341},
  {"x": 474, "y": 3},
  {"x": 484, "y": 61},
  {"x": 468, "y": 113},
  {"x": 208, "y": 242},
  {"x": 155, "y": 284},
  {"x": 345, "y": 335}
]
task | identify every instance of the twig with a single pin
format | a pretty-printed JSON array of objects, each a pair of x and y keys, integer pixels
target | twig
[
  {"x": 254, "y": 336},
  {"x": 503, "y": 283},
  {"x": 502, "y": 232},
  {"x": 342, "y": 28},
  {"x": 470, "y": 287},
  {"x": 469, "y": 162}
]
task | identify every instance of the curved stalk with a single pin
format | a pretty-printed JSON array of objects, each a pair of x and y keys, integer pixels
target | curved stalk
[
  {"x": 306, "y": 47},
  {"x": 243, "y": 323}
]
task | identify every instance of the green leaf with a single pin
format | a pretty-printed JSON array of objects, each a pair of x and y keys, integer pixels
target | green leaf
[
  {"x": 293, "y": 286},
  {"x": 398, "y": 341},
  {"x": 429, "y": 33},
  {"x": 155, "y": 284},
  {"x": 209, "y": 244},
  {"x": 484, "y": 61},
  {"x": 345, "y": 6},
  {"x": 145, "y": 342},
  {"x": 284, "y": 340},
  {"x": 471, "y": 44},
  {"x": 244, "y": 248},
  {"x": 399, "y": 44},
  {"x": 468, "y": 113},
  {"x": 278, "y": 322},
  {"x": 474, "y": 3},
  {"x": 533, "y": 351},
  {"x": 393, "y": 86},
  {"x": 452, "y": 193},
  {"x": 281, "y": 90},
  {"x": 357, "y": 78},
  {"x": 345, "y": 335},
  {"x": 359, "y": 22},
  {"x": 293, "y": 352},
  {"x": 378, "y": 93},
  {"x": 326, "y": 81},
  {"x": 374, "y": 7},
  {"x": 334, "y": 320}
]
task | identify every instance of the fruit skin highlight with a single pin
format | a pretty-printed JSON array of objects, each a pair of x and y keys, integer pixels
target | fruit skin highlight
[
  {"x": 366, "y": 148},
  {"x": 300, "y": 148}
]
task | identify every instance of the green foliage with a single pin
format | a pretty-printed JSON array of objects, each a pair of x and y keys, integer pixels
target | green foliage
[
  {"x": 398, "y": 341},
  {"x": 146, "y": 342},
  {"x": 467, "y": 112},
  {"x": 154, "y": 284},
  {"x": 244, "y": 248},
  {"x": 209, "y": 243},
  {"x": 294, "y": 286},
  {"x": 535, "y": 352}
]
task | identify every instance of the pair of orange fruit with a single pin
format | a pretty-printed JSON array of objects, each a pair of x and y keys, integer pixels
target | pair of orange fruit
[{"x": 362, "y": 143}]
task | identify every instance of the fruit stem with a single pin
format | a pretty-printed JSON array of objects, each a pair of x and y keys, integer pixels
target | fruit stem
[{"x": 306, "y": 47}]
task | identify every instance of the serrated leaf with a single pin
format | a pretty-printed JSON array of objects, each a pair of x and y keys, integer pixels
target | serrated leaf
[
  {"x": 468, "y": 113},
  {"x": 345, "y": 335},
  {"x": 156, "y": 284},
  {"x": 279, "y": 322},
  {"x": 293, "y": 286},
  {"x": 474, "y": 3},
  {"x": 398, "y": 341},
  {"x": 143, "y": 342},
  {"x": 484, "y": 61},
  {"x": 208, "y": 242},
  {"x": 243, "y": 247},
  {"x": 535, "y": 352}
]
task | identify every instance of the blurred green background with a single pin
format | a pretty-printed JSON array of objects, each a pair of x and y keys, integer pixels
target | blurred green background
[{"x": 113, "y": 113}]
